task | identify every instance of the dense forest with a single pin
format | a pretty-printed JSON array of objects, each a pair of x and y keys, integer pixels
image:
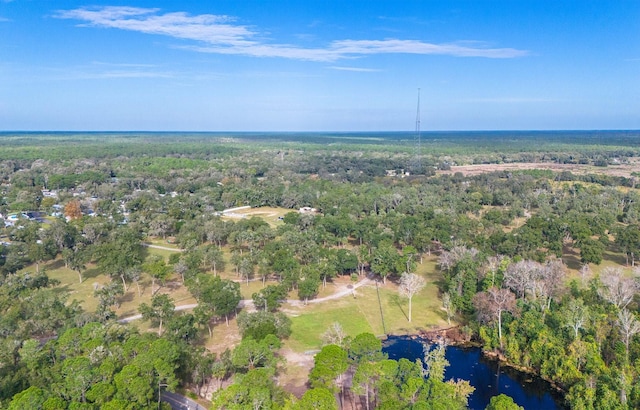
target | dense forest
[{"x": 535, "y": 265}]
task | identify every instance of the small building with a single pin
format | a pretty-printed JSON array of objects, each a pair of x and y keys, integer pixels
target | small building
[{"x": 49, "y": 194}]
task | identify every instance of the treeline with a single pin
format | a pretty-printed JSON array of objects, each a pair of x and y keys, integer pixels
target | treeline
[{"x": 503, "y": 241}]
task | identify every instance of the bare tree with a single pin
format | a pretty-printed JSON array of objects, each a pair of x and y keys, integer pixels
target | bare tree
[
  {"x": 521, "y": 277},
  {"x": 448, "y": 259},
  {"x": 410, "y": 284},
  {"x": 576, "y": 316},
  {"x": 551, "y": 281},
  {"x": 180, "y": 268},
  {"x": 135, "y": 274},
  {"x": 334, "y": 335},
  {"x": 629, "y": 326},
  {"x": 448, "y": 305},
  {"x": 585, "y": 273},
  {"x": 616, "y": 288},
  {"x": 491, "y": 267},
  {"x": 491, "y": 304}
]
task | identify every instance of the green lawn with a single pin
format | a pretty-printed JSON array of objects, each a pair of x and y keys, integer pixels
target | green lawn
[
  {"x": 92, "y": 278},
  {"x": 355, "y": 315},
  {"x": 165, "y": 253},
  {"x": 363, "y": 313}
]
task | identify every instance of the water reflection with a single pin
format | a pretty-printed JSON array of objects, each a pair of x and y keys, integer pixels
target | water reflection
[{"x": 488, "y": 377}]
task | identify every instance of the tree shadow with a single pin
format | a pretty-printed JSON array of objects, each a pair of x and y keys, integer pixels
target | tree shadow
[
  {"x": 55, "y": 264},
  {"x": 90, "y": 273},
  {"x": 61, "y": 289},
  {"x": 129, "y": 296},
  {"x": 572, "y": 261},
  {"x": 617, "y": 258},
  {"x": 442, "y": 314},
  {"x": 397, "y": 301}
]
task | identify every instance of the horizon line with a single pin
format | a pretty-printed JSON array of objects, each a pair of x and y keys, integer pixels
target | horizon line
[{"x": 320, "y": 131}]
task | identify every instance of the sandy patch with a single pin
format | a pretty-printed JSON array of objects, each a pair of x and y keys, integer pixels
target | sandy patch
[
  {"x": 298, "y": 365},
  {"x": 622, "y": 170}
]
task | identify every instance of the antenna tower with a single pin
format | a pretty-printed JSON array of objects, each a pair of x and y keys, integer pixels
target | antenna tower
[{"x": 418, "y": 141}]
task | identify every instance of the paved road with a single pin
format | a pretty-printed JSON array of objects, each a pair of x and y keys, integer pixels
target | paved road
[{"x": 179, "y": 402}]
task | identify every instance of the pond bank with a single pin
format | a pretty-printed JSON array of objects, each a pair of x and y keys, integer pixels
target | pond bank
[{"x": 489, "y": 377}]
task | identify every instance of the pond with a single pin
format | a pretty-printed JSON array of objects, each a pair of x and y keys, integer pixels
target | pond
[{"x": 488, "y": 378}]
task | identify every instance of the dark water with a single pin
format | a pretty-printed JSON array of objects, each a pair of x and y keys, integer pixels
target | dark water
[{"x": 486, "y": 376}]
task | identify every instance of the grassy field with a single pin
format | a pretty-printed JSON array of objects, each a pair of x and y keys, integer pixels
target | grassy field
[
  {"x": 366, "y": 313},
  {"x": 379, "y": 311},
  {"x": 269, "y": 214}
]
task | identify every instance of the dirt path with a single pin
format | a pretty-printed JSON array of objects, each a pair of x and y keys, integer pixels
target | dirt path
[
  {"x": 344, "y": 290},
  {"x": 164, "y": 248}
]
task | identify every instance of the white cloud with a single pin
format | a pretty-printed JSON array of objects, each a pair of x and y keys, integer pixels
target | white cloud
[
  {"x": 348, "y": 47},
  {"x": 121, "y": 65},
  {"x": 105, "y": 70},
  {"x": 514, "y": 100},
  {"x": 220, "y": 34},
  {"x": 356, "y": 69},
  {"x": 129, "y": 74}
]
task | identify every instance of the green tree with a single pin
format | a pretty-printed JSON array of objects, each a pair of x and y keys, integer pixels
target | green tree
[
  {"x": 330, "y": 363},
  {"x": 255, "y": 389},
  {"x": 251, "y": 354},
  {"x": 159, "y": 312},
  {"x": 158, "y": 362},
  {"x": 101, "y": 392},
  {"x": 134, "y": 385},
  {"x": 317, "y": 398},
  {"x": 346, "y": 261},
  {"x": 366, "y": 347},
  {"x": 39, "y": 252},
  {"x": 628, "y": 239},
  {"x": 270, "y": 297},
  {"x": 309, "y": 286},
  {"x": 31, "y": 398},
  {"x": 120, "y": 253},
  {"x": 107, "y": 297},
  {"x": 76, "y": 258},
  {"x": 78, "y": 375},
  {"x": 159, "y": 271},
  {"x": 213, "y": 258},
  {"x": 364, "y": 381},
  {"x": 502, "y": 402},
  {"x": 591, "y": 251},
  {"x": 384, "y": 261},
  {"x": 258, "y": 325},
  {"x": 216, "y": 298}
]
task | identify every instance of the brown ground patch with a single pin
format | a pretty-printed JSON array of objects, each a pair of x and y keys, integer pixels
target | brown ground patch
[
  {"x": 294, "y": 378},
  {"x": 622, "y": 170}
]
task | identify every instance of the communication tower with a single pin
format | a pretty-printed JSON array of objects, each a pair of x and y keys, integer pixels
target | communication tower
[{"x": 417, "y": 155}]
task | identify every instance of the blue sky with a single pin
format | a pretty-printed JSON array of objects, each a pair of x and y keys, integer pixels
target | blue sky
[{"x": 308, "y": 65}]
